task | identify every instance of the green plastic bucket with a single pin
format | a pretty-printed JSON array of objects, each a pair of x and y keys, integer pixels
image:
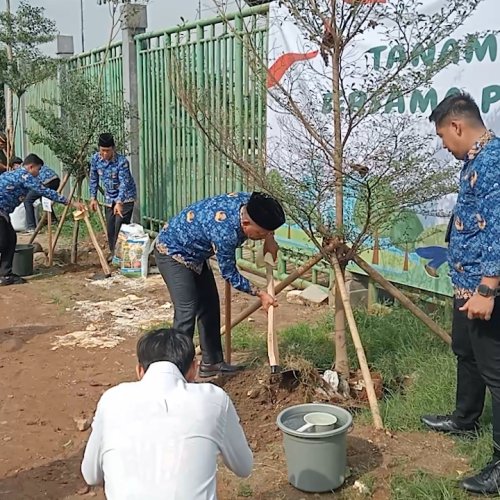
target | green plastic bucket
[
  {"x": 23, "y": 260},
  {"x": 316, "y": 461}
]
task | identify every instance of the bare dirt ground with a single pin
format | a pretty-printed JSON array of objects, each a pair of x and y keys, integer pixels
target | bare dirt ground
[{"x": 47, "y": 379}]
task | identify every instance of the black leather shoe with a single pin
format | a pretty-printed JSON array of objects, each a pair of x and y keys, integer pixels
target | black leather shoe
[
  {"x": 222, "y": 368},
  {"x": 12, "y": 279},
  {"x": 487, "y": 482},
  {"x": 444, "y": 423}
]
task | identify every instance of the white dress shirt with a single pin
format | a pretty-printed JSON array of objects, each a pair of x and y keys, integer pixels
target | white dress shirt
[{"x": 159, "y": 438}]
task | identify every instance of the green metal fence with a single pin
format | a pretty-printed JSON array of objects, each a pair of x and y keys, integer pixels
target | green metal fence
[
  {"x": 103, "y": 64},
  {"x": 36, "y": 96},
  {"x": 209, "y": 59}
]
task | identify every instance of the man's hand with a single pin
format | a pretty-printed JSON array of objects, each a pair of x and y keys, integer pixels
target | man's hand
[
  {"x": 270, "y": 246},
  {"x": 118, "y": 210},
  {"x": 78, "y": 205},
  {"x": 267, "y": 300},
  {"x": 479, "y": 307},
  {"x": 94, "y": 205}
]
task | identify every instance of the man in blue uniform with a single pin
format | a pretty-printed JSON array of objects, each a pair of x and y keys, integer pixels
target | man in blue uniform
[
  {"x": 214, "y": 226},
  {"x": 14, "y": 186},
  {"x": 474, "y": 260},
  {"x": 120, "y": 191},
  {"x": 49, "y": 179}
]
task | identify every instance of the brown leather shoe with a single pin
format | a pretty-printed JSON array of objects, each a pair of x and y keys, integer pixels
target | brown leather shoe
[{"x": 221, "y": 368}]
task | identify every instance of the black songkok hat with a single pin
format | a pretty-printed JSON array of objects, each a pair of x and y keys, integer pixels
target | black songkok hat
[
  {"x": 265, "y": 211},
  {"x": 106, "y": 141}
]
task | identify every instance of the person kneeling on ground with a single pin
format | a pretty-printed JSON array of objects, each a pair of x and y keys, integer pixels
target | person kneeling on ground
[
  {"x": 214, "y": 226},
  {"x": 14, "y": 186},
  {"x": 159, "y": 438},
  {"x": 48, "y": 179}
]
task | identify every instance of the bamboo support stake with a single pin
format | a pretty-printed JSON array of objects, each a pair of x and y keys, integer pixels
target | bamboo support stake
[
  {"x": 370, "y": 390},
  {"x": 49, "y": 223},
  {"x": 227, "y": 319},
  {"x": 100, "y": 253},
  {"x": 74, "y": 242},
  {"x": 103, "y": 222},
  {"x": 43, "y": 218},
  {"x": 63, "y": 218},
  {"x": 403, "y": 299}
]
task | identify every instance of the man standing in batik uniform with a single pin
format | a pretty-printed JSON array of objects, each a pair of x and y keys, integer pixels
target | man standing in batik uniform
[
  {"x": 120, "y": 191},
  {"x": 474, "y": 260},
  {"x": 214, "y": 226}
]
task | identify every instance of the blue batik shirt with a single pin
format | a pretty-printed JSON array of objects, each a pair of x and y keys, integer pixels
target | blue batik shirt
[
  {"x": 15, "y": 185},
  {"x": 119, "y": 185},
  {"x": 206, "y": 228},
  {"x": 46, "y": 175},
  {"x": 474, "y": 250}
]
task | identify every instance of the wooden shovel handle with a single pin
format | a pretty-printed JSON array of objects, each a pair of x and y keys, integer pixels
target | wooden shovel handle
[{"x": 272, "y": 339}]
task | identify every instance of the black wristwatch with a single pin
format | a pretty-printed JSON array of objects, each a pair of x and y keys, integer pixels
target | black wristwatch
[{"x": 486, "y": 291}]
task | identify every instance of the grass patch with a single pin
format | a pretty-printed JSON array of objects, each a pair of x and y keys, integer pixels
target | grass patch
[
  {"x": 67, "y": 229},
  {"x": 423, "y": 486}
]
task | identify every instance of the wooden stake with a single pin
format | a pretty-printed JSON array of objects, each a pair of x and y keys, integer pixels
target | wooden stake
[
  {"x": 63, "y": 219},
  {"x": 227, "y": 319},
  {"x": 74, "y": 242},
  {"x": 402, "y": 298},
  {"x": 100, "y": 253},
  {"x": 49, "y": 223},
  {"x": 272, "y": 339},
  {"x": 43, "y": 218},
  {"x": 370, "y": 390},
  {"x": 103, "y": 222}
]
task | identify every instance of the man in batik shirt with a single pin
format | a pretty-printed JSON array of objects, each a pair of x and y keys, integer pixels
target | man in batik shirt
[
  {"x": 14, "y": 186},
  {"x": 474, "y": 260},
  {"x": 214, "y": 226},
  {"x": 48, "y": 178},
  {"x": 120, "y": 190}
]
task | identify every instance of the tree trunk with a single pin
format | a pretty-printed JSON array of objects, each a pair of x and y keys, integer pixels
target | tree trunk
[
  {"x": 406, "y": 263},
  {"x": 76, "y": 227},
  {"x": 9, "y": 100},
  {"x": 341, "y": 359},
  {"x": 376, "y": 248}
]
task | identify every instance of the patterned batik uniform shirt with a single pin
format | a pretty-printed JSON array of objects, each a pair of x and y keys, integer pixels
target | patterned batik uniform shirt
[
  {"x": 474, "y": 250},
  {"x": 206, "y": 228},
  {"x": 46, "y": 175},
  {"x": 15, "y": 185},
  {"x": 119, "y": 185}
]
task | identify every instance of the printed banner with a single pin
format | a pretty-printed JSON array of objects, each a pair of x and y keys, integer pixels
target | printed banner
[{"x": 297, "y": 64}]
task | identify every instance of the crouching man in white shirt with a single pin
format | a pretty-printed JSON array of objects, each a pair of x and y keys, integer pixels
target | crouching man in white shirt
[{"x": 159, "y": 438}]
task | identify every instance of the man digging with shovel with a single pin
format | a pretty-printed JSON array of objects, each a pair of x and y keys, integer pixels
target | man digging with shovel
[{"x": 214, "y": 226}]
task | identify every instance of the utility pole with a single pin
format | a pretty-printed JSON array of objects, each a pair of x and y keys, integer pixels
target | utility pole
[
  {"x": 82, "y": 27},
  {"x": 9, "y": 98}
]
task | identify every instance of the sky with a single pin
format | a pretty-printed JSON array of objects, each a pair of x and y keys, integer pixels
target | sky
[{"x": 97, "y": 21}]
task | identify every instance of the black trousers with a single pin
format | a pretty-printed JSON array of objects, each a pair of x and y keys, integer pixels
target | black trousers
[
  {"x": 195, "y": 298},
  {"x": 31, "y": 197},
  {"x": 114, "y": 222},
  {"x": 476, "y": 344},
  {"x": 8, "y": 241}
]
